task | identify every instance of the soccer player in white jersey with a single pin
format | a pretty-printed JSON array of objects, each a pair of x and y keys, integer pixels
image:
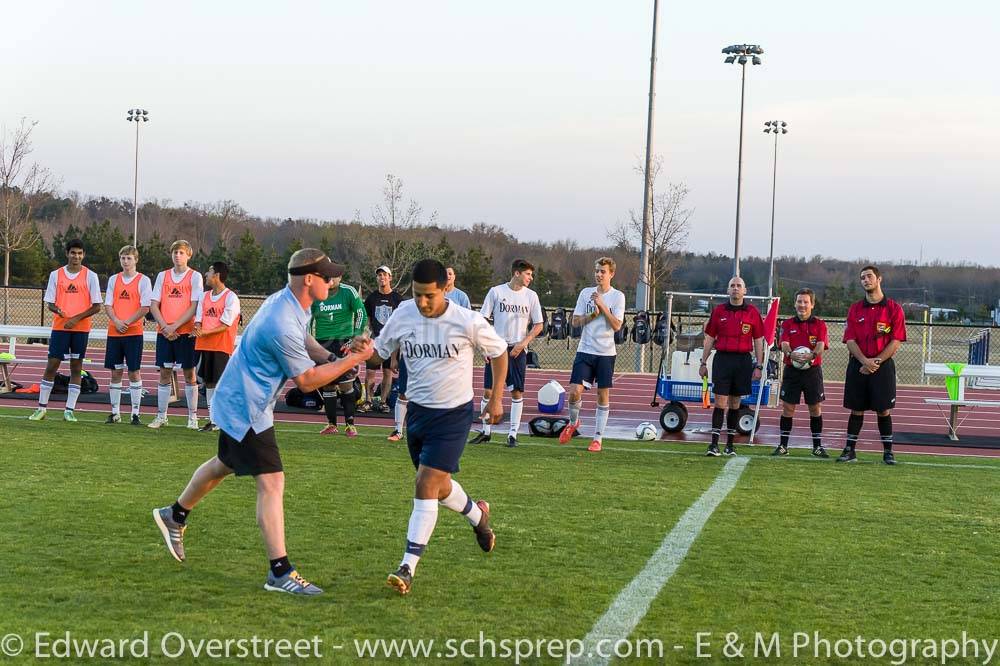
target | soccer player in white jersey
[
  {"x": 437, "y": 338},
  {"x": 514, "y": 309},
  {"x": 600, "y": 310}
]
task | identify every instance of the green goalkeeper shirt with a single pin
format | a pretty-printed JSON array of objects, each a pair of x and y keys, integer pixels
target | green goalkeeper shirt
[{"x": 342, "y": 315}]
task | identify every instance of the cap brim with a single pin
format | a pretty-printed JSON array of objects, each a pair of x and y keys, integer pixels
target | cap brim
[{"x": 327, "y": 268}]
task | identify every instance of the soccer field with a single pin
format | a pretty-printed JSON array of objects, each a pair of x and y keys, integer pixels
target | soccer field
[{"x": 796, "y": 545}]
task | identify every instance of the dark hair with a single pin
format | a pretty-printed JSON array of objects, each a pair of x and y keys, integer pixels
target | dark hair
[
  {"x": 76, "y": 243},
  {"x": 221, "y": 269},
  {"x": 427, "y": 271},
  {"x": 873, "y": 269},
  {"x": 519, "y": 265},
  {"x": 806, "y": 291}
]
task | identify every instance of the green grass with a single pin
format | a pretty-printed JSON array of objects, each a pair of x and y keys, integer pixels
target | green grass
[{"x": 800, "y": 544}]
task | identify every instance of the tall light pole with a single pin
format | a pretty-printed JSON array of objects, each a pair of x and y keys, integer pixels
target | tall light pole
[
  {"x": 775, "y": 127},
  {"x": 740, "y": 54},
  {"x": 642, "y": 286},
  {"x": 136, "y": 116}
]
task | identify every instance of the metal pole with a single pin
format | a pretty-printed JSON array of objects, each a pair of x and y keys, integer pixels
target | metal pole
[
  {"x": 642, "y": 286},
  {"x": 774, "y": 187},
  {"x": 739, "y": 176},
  {"x": 135, "y": 194}
]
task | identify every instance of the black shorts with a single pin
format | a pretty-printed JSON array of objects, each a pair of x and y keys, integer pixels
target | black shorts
[
  {"x": 516, "y": 369},
  {"x": 211, "y": 366},
  {"x": 403, "y": 375},
  {"x": 336, "y": 347},
  {"x": 732, "y": 373},
  {"x": 256, "y": 454},
  {"x": 436, "y": 437},
  {"x": 870, "y": 392},
  {"x": 798, "y": 383},
  {"x": 123, "y": 351}
]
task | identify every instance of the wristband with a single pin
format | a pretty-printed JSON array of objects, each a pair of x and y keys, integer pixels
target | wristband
[{"x": 331, "y": 358}]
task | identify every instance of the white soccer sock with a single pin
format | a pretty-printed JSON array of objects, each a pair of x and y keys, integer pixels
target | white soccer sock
[
  {"x": 115, "y": 393},
  {"x": 135, "y": 395},
  {"x": 602, "y": 421},
  {"x": 459, "y": 502},
  {"x": 44, "y": 391},
  {"x": 487, "y": 427},
  {"x": 400, "y": 413},
  {"x": 422, "y": 521},
  {"x": 162, "y": 399},
  {"x": 72, "y": 393},
  {"x": 574, "y": 411},
  {"x": 516, "y": 407},
  {"x": 209, "y": 393},
  {"x": 191, "y": 396}
]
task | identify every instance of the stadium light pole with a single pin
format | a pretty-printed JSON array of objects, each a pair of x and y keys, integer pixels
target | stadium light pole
[
  {"x": 741, "y": 54},
  {"x": 136, "y": 116},
  {"x": 642, "y": 285},
  {"x": 775, "y": 127}
]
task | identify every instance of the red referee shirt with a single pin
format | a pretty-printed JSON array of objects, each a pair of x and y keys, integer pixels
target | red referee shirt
[
  {"x": 874, "y": 325},
  {"x": 735, "y": 327},
  {"x": 804, "y": 333}
]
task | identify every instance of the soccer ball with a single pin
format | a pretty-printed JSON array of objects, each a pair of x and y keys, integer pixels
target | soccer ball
[
  {"x": 802, "y": 365},
  {"x": 646, "y": 431}
]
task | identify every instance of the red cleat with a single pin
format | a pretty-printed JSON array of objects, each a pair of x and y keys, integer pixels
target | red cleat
[
  {"x": 567, "y": 432},
  {"x": 595, "y": 446}
]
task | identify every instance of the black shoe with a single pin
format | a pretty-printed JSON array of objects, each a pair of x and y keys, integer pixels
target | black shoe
[
  {"x": 401, "y": 579},
  {"x": 135, "y": 420},
  {"x": 112, "y": 419},
  {"x": 820, "y": 452},
  {"x": 484, "y": 535},
  {"x": 780, "y": 451},
  {"x": 729, "y": 450},
  {"x": 480, "y": 438},
  {"x": 511, "y": 441},
  {"x": 848, "y": 456},
  {"x": 208, "y": 427},
  {"x": 888, "y": 458},
  {"x": 713, "y": 451}
]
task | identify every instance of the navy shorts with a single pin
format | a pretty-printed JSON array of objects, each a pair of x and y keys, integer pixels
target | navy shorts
[
  {"x": 177, "y": 353},
  {"x": 436, "y": 437},
  {"x": 591, "y": 367},
  {"x": 516, "y": 369},
  {"x": 123, "y": 352},
  {"x": 401, "y": 382},
  {"x": 68, "y": 345}
]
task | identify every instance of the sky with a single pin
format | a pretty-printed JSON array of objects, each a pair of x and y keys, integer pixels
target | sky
[{"x": 532, "y": 115}]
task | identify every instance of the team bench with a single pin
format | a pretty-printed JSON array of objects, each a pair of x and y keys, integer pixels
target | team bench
[{"x": 970, "y": 371}]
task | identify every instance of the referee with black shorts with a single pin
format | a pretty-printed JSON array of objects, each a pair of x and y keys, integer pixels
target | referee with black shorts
[
  {"x": 734, "y": 330},
  {"x": 876, "y": 327}
]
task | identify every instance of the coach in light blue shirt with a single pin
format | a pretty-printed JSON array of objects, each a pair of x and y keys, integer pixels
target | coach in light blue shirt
[{"x": 453, "y": 293}]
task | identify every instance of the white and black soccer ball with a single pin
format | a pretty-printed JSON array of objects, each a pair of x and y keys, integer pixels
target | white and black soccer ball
[
  {"x": 802, "y": 365},
  {"x": 646, "y": 432}
]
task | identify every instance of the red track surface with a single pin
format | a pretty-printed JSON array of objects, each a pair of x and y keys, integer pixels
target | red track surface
[{"x": 630, "y": 400}]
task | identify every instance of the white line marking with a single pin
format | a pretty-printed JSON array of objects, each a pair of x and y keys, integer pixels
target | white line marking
[{"x": 628, "y": 609}]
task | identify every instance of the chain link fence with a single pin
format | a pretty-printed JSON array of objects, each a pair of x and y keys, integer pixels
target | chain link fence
[{"x": 938, "y": 343}]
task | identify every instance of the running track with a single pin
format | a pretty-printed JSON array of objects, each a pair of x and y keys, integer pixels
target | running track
[{"x": 630, "y": 400}]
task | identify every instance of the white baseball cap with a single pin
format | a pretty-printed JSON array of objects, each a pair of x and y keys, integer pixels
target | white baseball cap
[{"x": 383, "y": 269}]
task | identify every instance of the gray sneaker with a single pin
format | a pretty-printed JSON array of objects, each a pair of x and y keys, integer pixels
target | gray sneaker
[
  {"x": 291, "y": 583},
  {"x": 173, "y": 532}
]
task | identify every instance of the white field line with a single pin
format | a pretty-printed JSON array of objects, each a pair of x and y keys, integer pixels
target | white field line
[{"x": 628, "y": 609}]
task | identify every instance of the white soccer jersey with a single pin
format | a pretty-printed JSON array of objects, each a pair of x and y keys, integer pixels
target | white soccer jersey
[
  {"x": 598, "y": 337},
  {"x": 438, "y": 351},
  {"x": 513, "y": 312},
  {"x": 145, "y": 288}
]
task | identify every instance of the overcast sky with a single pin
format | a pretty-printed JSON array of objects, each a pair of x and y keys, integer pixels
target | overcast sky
[{"x": 532, "y": 115}]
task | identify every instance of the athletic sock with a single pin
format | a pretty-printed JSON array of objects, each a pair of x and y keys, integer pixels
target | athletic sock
[
  {"x": 459, "y": 502},
  {"x": 162, "y": 399},
  {"x": 400, "y": 414},
  {"x": 718, "y": 415},
  {"x": 180, "y": 513},
  {"x": 516, "y": 407},
  {"x": 280, "y": 566},
  {"x": 72, "y": 394},
  {"x": 44, "y": 391},
  {"x": 191, "y": 396},
  {"x": 602, "y": 421},
  {"x": 885, "y": 431},
  {"x": 785, "y": 427},
  {"x": 349, "y": 403},
  {"x": 330, "y": 406},
  {"x": 574, "y": 411},
  {"x": 816, "y": 427},
  {"x": 854, "y": 423},
  {"x": 135, "y": 395},
  {"x": 732, "y": 418},
  {"x": 487, "y": 427},
  {"x": 418, "y": 533},
  {"x": 209, "y": 394},
  {"x": 115, "y": 394}
]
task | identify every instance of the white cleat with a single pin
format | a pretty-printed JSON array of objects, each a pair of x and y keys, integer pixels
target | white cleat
[
  {"x": 192, "y": 423},
  {"x": 158, "y": 422}
]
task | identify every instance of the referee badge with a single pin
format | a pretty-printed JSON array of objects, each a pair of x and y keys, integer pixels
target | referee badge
[
  {"x": 745, "y": 328},
  {"x": 883, "y": 328},
  {"x": 812, "y": 340}
]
